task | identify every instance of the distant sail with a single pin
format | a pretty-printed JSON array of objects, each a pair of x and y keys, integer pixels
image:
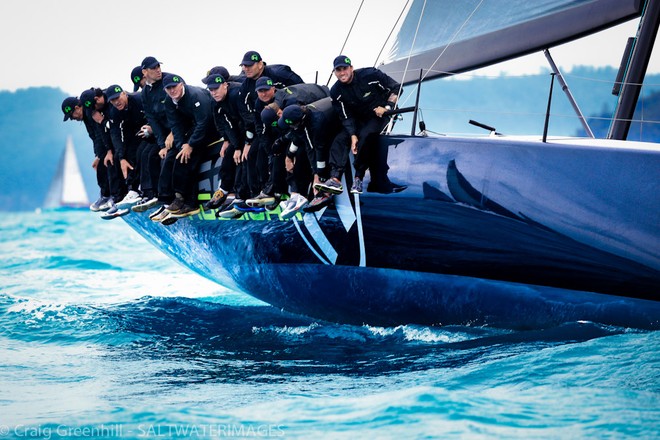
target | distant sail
[
  {"x": 456, "y": 36},
  {"x": 67, "y": 188}
]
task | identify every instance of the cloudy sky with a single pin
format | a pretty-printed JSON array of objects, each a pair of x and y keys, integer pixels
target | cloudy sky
[{"x": 76, "y": 44}]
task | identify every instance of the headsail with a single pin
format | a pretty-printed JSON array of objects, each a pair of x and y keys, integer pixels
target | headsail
[
  {"x": 67, "y": 188},
  {"x": 459, "y": 36}
]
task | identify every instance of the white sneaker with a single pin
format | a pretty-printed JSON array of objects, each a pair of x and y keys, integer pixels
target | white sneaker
[
  {"x": 285, "y": 203},
  {"x": 109, "y": 203},
  {"x": 296, "y": 203},
  {"x": 145, "y": 204},
  {"x": 114, "y": 212},
  {"x": 96, "y": 206},
  {"x": 131, "y": 199}
]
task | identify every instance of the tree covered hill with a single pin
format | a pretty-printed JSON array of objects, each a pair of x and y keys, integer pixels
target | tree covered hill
[
  {"x": 644, "y": 127},
  {"x": 517, "y": 105}
]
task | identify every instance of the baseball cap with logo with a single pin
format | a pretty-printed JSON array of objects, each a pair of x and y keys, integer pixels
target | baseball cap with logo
[
  {"x": 250, "y": 58},
  {"x": 113, "y": 92},
  {"x": 170, "y": 80},
  {"x": 150, "y": 63},
  {"x": 341, "y": 61},
  {"x": 136, "y": 77},
  {"x": 269, "y": 117},
  {"x": 291, "y": 116},
  {"x": 217, "y": 70},
  {"x": 263, "y": 83},
  {"x": 87, "y": 98},
  {"x": 68, "y": 105},
  {"x": 214, "y": 81}
]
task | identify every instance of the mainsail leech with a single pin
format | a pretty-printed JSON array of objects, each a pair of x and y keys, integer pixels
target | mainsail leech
[{"x": 499, "y": 30}]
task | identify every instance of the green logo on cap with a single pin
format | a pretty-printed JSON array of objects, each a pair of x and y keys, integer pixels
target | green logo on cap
[
  {"x": 67, "y": 109},
  {"x": 136, "y": 79},
  {"x": 347, "y": 60},
  {"x": 176, "y": 79},
  {"x": 88, "y": 104},
  {"x": 269, "y": 82},
  {"x": 118, "y": 89},
  {"x": 288, "y": 121},
  {"x": 218, "y": 79},
  {"x": 273, "y": 124},
  {"x": 254, "y": 57}
]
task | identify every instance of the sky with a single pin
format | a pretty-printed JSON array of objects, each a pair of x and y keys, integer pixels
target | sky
[{"x": 77, "y": 44}]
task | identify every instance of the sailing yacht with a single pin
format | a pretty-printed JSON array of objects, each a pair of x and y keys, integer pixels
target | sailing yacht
[
  {"x": 516, "y": 232},
  {"x": 67, "y": 189}
]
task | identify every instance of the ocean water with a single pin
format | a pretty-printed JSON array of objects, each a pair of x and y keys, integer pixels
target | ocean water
[{"x": 104, "y": 337}]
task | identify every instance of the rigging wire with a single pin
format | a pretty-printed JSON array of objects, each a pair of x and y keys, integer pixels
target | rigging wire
[
  {"x": 347, "y": 36},
  {"x": 405, "y": 70},
  {"x": 451, "y": 41},
  {"x": 391, "y": 32},
  {"x": 389, "y": 126}
]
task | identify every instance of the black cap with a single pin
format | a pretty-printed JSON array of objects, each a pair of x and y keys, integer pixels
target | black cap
[
  {"x": 87, "y": 98},
  {"x": 136, "y": 77},
  {"x": 214, "y": 81},
  {"x": 68, "y": 105},
  {"x": 250, "y": 58},
  {"x": 291, "y": 115},
  {"x": 113, "y": 92},
  {"x": 263, "y": 83},
  {"x": 217, "y": 70},
  {"x": 150, "y": 63},
  {"x": 341, "y": 61},
  {"x": 170, "y": 80},
  {"x": 269, "y": 117}
]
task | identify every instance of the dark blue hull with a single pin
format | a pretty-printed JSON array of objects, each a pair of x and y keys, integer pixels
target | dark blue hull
[{"x": 512, "y": 234}]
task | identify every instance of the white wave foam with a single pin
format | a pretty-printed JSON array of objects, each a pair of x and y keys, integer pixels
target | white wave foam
[{"x": 422, "y": 334}]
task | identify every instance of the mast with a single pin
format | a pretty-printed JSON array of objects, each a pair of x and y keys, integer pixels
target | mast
[{"x": 639, "y": 61}]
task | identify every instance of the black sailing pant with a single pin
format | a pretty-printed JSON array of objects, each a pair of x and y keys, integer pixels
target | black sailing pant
[
  {"x": 149, "y": 164},
  {"x": 165, "y": 188},
  {"x": 371, "y": 155},
  {"x": 300, "y": 179},
  {"x": 110, "y": 180},
  {"x": 132, "y": 155},
  {"x": 227, "y": 171},
  {"x": 184, "y": 176}
]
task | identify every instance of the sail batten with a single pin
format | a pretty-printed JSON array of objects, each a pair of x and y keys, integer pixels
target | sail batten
[{"x": 455, "y": 37}]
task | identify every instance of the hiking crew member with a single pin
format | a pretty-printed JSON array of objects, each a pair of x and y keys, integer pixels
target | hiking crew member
[
  {"x": 136, "y": 152},
  {"x": 73, "y": 110},
  {"x": 257, "y": 159},
  {"x": 228, "y": 122},
  {"x": 189, "y": 114},
  {"x": 153, "y": 103},
  {"x": 312, "y": 129},
  {"x": 361, "y": 97},
  {"x": 95, "y": 108},
  {"x": 276, "y": 100}
]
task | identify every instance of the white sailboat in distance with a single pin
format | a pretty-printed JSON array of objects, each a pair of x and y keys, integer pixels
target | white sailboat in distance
[{"x": 67, "y": 190}]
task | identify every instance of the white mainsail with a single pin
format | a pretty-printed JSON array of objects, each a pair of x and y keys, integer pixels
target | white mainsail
[{"x": 67, "y": 188}]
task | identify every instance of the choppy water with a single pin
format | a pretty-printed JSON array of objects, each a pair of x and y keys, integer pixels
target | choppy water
[{"x": 102, "y": 337}]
